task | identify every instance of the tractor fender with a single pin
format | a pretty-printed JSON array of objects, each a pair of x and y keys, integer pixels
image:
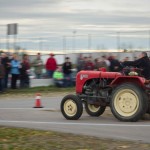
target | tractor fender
[{"x": 128, "y": 79}]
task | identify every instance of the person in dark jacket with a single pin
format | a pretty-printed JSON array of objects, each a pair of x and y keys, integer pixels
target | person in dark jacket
[
  {"x": 67, "y": 66},
  {"x": 80, "y": 63},
  {"x": 115, "y": 65},
  {"x": 143, "y": 62},
  {"x": 88, "y": 65},
  {"x": 2, "y": 75},
  {"x": 6, "y": 62},
  {"x": 24, "y": 72}
]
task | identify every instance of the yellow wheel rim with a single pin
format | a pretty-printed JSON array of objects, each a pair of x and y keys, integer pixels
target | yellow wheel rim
[
  {"x": 93, "y": 108},
  {"x": 126, "y": 102},
  {"x": 70, "y": 108}
]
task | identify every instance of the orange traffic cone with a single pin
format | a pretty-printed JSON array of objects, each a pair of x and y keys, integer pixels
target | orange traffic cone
[{"x": 38, "y": 101}]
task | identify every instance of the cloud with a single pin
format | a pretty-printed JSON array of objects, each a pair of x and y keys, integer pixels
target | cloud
[{"x": 43, "y": 18}]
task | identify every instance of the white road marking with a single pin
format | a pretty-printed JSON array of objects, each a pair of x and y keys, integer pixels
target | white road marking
[
  {"x": 29, "y": 108},
  {"x": 72, "y": 123}
]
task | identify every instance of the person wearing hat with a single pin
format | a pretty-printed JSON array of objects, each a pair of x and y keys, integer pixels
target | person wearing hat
[
  {"x": 67, "y": 66},
  {"x": 51, "y": 65}
]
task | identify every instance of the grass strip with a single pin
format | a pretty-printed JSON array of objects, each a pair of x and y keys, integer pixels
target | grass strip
[
  {"x": 27, "y": 139},
  {"x": 43, "y": 89}
]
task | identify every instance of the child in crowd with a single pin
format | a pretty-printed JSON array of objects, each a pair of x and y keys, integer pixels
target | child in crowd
[{"x": 58, "y": 77}]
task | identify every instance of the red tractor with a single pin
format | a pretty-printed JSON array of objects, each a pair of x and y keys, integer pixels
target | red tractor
[{"x": 126, "y": 93}]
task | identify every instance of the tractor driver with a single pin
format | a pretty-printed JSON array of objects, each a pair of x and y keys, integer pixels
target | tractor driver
[{"x": 143, "y": 62}]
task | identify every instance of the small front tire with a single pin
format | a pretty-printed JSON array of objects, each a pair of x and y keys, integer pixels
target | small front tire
[{"x": 71, "y": 107}]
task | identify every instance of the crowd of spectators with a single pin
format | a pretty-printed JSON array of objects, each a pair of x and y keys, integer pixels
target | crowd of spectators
[
  {"x": 19, "y": 69},
  {"x": 11, "y": 65}
]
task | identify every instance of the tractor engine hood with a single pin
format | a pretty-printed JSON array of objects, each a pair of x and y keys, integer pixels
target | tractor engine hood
[{"x": 83, "y": 76}]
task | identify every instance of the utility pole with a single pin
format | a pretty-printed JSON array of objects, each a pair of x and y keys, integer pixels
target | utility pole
[
  {"x": 149, "y": 40},
  {"x": 7, "y": 43},
  {"x": 89, "y": 41},
  {"x": 12, "y": 29},
  {"x": 15, "y": 39},
  {"x": 40, "y": 44},
  {"x": 74, "y": 41},
  {"x": 118, "y": 40},
  {"x": 64, "y": 46}
]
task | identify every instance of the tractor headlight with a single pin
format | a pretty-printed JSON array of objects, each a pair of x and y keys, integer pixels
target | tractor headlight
[{"x": 133, "y": 73}]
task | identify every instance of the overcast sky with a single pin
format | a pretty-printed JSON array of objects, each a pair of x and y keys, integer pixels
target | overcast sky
[{"x": 87, "y": 20}]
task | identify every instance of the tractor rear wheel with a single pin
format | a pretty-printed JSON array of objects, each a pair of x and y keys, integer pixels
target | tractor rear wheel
[
  {"x": 71, "y": 107},
  {"x": 128, "y": 102},
  {"x": 94, "y": 110}
]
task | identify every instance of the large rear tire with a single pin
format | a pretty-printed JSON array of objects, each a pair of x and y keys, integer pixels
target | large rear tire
[
  {"x": 94, "y": 110},
  {"x": 71, "y": 107},
  {"x": 128, "y": 102}
]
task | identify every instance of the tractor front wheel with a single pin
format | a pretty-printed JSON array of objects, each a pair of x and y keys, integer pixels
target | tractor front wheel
[{"x": 71, "y": 107}]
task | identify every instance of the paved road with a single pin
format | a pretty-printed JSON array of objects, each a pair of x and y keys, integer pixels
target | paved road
[{"x": 19, "y": 112}]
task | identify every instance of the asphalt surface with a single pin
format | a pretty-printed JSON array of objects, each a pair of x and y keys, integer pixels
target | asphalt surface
[{"x": 19, "y": 112}]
